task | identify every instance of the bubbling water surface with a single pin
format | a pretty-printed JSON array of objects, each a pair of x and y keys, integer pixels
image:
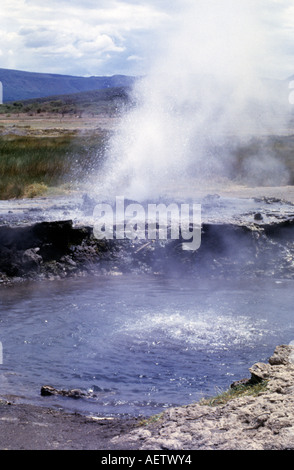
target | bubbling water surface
[{"x": 140, "y": 343}]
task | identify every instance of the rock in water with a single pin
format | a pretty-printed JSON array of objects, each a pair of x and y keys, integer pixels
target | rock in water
[{"x": 47, "y": 390}]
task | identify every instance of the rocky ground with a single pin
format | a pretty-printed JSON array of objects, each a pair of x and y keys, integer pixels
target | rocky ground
[
  {"x": 49, "y": 239},
  {"x": 262, "y": 422}
]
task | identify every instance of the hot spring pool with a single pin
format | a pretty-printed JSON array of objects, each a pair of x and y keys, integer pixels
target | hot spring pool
[{"x": 141, "y": 343}]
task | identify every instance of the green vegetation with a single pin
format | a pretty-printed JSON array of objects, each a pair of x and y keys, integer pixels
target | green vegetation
[
  {"x": 29, "y": 164},
  {"x": 152, "y": 420},
  {"x": 235, "y": 392}
]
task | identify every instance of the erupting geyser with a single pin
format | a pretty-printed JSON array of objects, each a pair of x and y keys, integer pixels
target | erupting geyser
[{"x": 203, "y": 95}]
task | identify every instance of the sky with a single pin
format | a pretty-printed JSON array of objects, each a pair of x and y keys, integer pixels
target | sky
[{"x": 108, "y": 37}]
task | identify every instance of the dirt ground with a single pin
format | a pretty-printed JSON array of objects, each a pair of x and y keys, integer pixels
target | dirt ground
[
  {"x": 51, "y": 124},
  {"x": 30, "y": 427}
]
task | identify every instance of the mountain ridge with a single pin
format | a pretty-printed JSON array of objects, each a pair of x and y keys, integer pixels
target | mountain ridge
[{"x": 23, "y": 85}]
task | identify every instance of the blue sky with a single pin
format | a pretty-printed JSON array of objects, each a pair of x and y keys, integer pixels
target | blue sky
[{"x": 106, "y": 37}]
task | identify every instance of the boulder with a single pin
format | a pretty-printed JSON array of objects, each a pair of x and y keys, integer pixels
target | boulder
[
  {"x": 30, "y": 257},
  {"x": 47, "y": 390},
  {"x": 282, "y": 355}
]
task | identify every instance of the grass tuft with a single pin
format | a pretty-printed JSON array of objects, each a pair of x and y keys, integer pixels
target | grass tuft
[
  {"x": 30, "y": 165},
  {"x": 152, "y": 420},
  {"x": 35, "y": 190},
  {"x": 236, "y": 392}
]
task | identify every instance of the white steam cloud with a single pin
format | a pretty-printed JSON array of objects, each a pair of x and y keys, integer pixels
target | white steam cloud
[{"x": 204, "y": 93}]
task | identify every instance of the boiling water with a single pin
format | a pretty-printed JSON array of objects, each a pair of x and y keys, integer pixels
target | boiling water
[{"x": 141, "y": 343}]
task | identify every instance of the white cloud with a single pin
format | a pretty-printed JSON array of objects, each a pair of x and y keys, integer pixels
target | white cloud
[
  {"x": 39, "y": 35},
  {"x": 114, "y": 36},
  {"x": 134, "y": 57}
]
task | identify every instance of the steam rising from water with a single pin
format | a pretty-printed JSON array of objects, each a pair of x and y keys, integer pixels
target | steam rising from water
[{"x": 203, "y": 96}]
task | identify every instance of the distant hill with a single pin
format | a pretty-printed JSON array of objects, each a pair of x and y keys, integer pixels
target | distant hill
[
  {"x": 19, "y": 85},
  {"x": 108, "y": 101}
]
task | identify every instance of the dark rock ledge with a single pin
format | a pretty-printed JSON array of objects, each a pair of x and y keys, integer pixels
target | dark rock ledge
[
  {"x": 49, "y": 250},
  {"x": 262, "y": 422},
  {"x": 53, "y": 239},
  {"x": 59, "y": 249}
]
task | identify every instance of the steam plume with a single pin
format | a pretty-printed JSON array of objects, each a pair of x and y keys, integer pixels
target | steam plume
[{"x": 204, "y": 95}]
